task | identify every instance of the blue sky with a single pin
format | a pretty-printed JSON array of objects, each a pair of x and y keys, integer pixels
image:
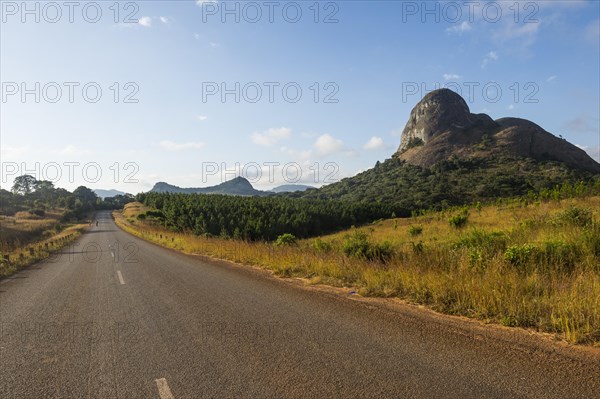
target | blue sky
[{"x": 361, "y": 68}]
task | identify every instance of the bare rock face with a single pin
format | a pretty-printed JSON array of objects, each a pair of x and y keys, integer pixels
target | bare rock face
[
  {"x": 441, "y": 126},
  {"x": 439, "y": 111}
]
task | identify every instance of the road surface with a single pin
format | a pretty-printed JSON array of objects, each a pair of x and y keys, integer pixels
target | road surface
[{"x": 117, "y": 317}]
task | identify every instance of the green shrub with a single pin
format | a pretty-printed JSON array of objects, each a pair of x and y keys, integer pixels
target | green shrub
[
  {"x": 459, "y": 220},
  {"x": 155, "y": 214},
  {"x": 476, "y": 258},
  {"x": 520, "y": 255},
  {"x": 489, "y": 242},
  {"x": 68, "y": 216},
  {"x": 418, "y": 247},
  {"x": 358, "y": 245},
  {"x": 141, "y": 216},
  {"x": 575, "y": 216},
  {"x": 38, "y": 212},
  {"x": 286, "y": 239},
  {"x": 591, "y": 239},
  {"x": 558, "y": 255},
  {"x": 415, "y": 230},
  {"x": 414, "y": 142},
  {"x": 321, "y": 246}
]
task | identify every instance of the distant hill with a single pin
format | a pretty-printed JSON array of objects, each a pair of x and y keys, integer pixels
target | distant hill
[
  {"x": 108, "y": 193},
  {"x": 236, "y": 186},
  {"x": 442, "y": 127},
  {"x": 448, "y": 156},
  {"x": 289, "y": 188}
]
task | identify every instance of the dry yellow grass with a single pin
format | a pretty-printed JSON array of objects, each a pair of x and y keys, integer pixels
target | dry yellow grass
[
  {"x": 433, "y": 268},
  {"x": 27, "y": 239}
]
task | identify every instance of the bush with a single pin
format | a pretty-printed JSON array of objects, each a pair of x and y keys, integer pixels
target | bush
[
  {"x": 559, "y": 255},
  {"x": 38, "y": 212},
  {"x": 418, "y": 247},
  {"x": 459, "y": 220},
  {"x": 358, "y": 245},
  {"x": 141, "y": 216},
  {"x": 155, "y": 214},
  {"x": 415, "y": 230},
  {"x": 321, "y": 246},
  {"x": 489, "y": 242},
  {"x": 477, "y": 260},
  {"x": 591, "y": 239},
  {"x": 519, "y": 255},
  {"x": 68, "y": 216},
  {"x": 286, "y": 239},
  {"x": 575, "y": 216},
  {"x": 414, "y": 142}
]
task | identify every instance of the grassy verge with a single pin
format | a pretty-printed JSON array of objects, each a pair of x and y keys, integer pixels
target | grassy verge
[
  {"x": 525, "y": 265},
  {"x": 26, "y": 239}
]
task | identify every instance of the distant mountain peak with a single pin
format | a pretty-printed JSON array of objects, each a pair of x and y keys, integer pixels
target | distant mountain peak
[
  {"x": 237, "y": 181},
  {"x": 289, "y": 188},
  {"x": 108, "y": 193},
  {"x": 441, "y": 126},
  {"x": 236, "y": 186},
  {"x": 437, "y": 112}
]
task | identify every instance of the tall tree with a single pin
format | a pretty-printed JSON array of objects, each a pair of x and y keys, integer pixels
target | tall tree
[{"x": 24, "y": 184}]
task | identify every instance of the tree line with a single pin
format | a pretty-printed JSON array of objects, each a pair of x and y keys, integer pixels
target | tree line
[
  {"x": 36, "y": 196},
  {"x": 257, "y": 218}
]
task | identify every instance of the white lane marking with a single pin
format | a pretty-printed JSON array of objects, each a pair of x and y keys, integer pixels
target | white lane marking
[
  {"x": 163, "y": 389},
  {"x": 120, "y": 277}
]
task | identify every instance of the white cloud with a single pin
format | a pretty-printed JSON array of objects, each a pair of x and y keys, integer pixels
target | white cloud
[
  {"x": 516, "y": 31},
  {"x": 463, "y": 27},
  {"x": 551, "y": 78},
  {"x": 374, "y": 143},
  {"x": 326, "y": 144},
  {"x": 511, "y": 107},
  {"x": 165, "y": 20},
  {"x": 213, "y": 44},
  {"x": 145, "y": 21},
  {"x": 197, "y": 36},
  {"x": 271, "y": 136},
  {"x": 593, "y": 152},
  {"x": 201, "y": 117},
  {"x": 451, "y": 76},
  {"x": 491, "y": 56},
  {"x": 72, "y": 150},
  {"x": 171, "y": 146},
  {"x": 11, "y": 152}
]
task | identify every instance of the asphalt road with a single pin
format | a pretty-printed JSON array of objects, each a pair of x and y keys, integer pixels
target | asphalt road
[{"x": 117, "y": 317}]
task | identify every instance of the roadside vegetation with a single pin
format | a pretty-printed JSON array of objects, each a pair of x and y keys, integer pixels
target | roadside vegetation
[
  {"x": 37, "y": 219},
  {"x": 531, "y": 262}
]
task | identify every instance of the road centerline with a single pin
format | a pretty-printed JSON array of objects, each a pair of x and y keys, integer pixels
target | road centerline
[
  {"x": 120, "y": 277},
  {"x": 163, "y": 389}
]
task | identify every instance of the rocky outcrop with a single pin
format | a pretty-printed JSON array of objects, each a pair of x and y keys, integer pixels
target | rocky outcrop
[{"x": 441, "y": 126}]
